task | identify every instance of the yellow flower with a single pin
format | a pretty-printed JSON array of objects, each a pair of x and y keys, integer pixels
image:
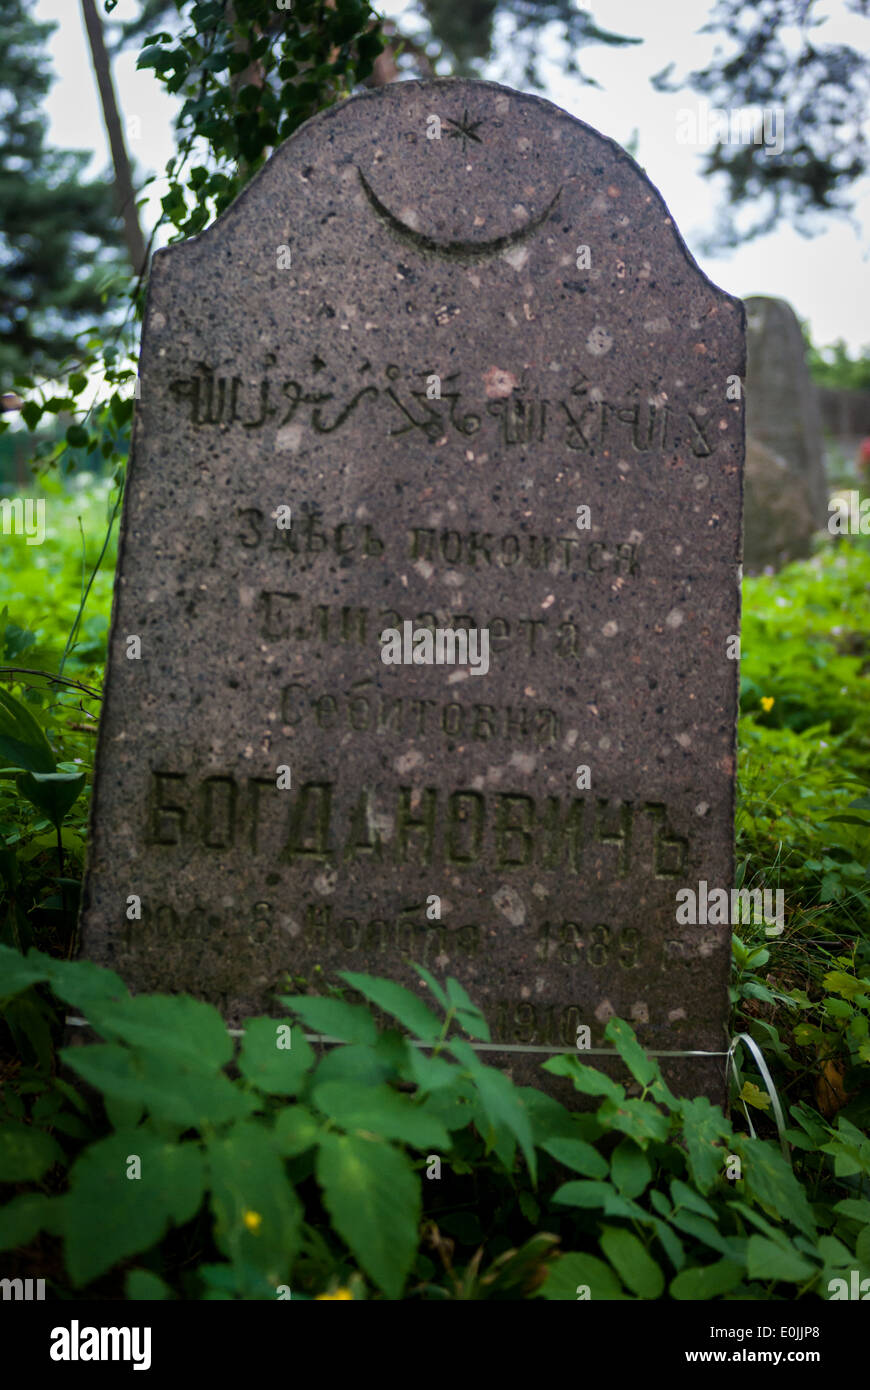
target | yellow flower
[
  {"x": 340, "y": 1294},
  {"x": 767, "y": 703},
  {"x": 253, "y": 1220}
]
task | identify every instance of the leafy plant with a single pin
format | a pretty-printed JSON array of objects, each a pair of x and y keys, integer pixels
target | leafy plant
[
  {"x": 37, "y": 777},
  {"x": 281, "y": 1170}
]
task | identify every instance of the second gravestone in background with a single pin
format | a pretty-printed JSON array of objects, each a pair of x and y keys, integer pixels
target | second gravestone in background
[{"x": 441, "y": 320}]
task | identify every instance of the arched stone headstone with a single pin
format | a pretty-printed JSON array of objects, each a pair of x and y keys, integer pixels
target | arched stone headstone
[
  {"x": 778, "y": 523},
  {"x": 457, "y": 334},
  {"x": 782, "y": 407}
]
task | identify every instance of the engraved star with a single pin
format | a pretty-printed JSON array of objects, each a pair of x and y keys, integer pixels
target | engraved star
[{"x": 465, "y": 130}]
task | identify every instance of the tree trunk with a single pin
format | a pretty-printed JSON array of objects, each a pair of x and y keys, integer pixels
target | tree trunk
[{"x": 124, "y": 191}]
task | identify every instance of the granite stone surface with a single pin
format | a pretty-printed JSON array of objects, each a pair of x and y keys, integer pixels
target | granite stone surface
[{"x": 455, "y": 332}]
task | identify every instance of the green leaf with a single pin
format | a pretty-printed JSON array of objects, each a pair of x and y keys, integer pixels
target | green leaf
[
  {"x": 835, "y": 1008},
  {"x": 707, "y": 1233},
  {"x": 279, "y": 1071},
  {"x": 295, "y": 1130},
  {"x": 669, "y": 1240},
  {"x": 582, "y": 1194},
  {"x": 22, "y": 741},
  {"x": 373, "y": 1196},
  {"x": 185, "y": 1030},
  {"x": 617, "y": 1205},
  {"x": 703, "y": 1125},
  {"x": 644, "y": 1069},
  {"x": 430, "y": 1073},
  {"x": 858, "y": 1209},
  {"x": 47, "y": 840},
  {"x": 28, "y": 1018},
  {"x": 768, "y": 1177},
  {"x": 660, "y": 1203},
  {"x": 454, "y": 1106},
  {"x": 753, "y": 1095},
  {"x": 497, "y": 1138},
  {"x": 500, "y": 1101},
  {"x": 630, "y": 1169},
  {"x": 400, "y": 1002},
  {"x": 332, "y": 1018},
  {"x": 812, "y": 1123},
  {"x": 767, "y": 1260},
  {"x": 123, "y": 1112},
  {"x": 550, "y": 1120},
  {"x": 257, "y": 1214},
  {"x": 52, "y": 793},
  {"x": 18, "y": 972},
  {"x": 77, "y": 437},
  {"x": 353, "y": 1062},
  {"x": 576, "y": 1154},
  {"x": 584, "y": 1077},
  {"x": 56, "y": 405},
  {"x": 832, "y": 1251},
  {"x": 755, "y": 1218},
  {"x": 25, "y": 1215},
  {"x": 753, "y": 990},
  {"x": 87, "y": 986},
  {"x": 629, "y": 1257},
  {"x": 382, "y": 1111},
  {"x": 684, "y": 1196},
  {"x": 838, "y": 982},
  {"x": 529, "y": 1207},
  {"x": 109, "y": 1215},
  {"x": 639, "y": 1119},
  {"x": 26, "y": 1152},
  {"x": 706, "y": 1281},
  {"x": 468, "y": 1015},
  {"x": 429, "y": 979},
  {"x": 574, "y": 1271},
  {"x": 143, "y": 1286},
  {"x": 169, "y": 1091}
]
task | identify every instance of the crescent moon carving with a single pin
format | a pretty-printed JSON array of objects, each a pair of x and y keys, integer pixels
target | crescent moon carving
[{"x": 460, "y": 250}]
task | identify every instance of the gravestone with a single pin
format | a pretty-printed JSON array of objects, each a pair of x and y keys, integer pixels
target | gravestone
[
  {"x": 778, "y": 523},
  {"x": 782, "y": 406},
  {"x": 444, "y": 320}
]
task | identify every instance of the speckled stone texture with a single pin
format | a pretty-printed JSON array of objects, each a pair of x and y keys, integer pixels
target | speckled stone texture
[{"x": 292, "y": 357}]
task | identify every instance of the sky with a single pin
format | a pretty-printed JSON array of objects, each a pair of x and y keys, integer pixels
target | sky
[{"x": 825, "y": 278}]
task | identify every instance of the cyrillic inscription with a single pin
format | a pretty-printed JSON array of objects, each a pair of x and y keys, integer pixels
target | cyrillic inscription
[
  {"x": 373, "y": 712},
  {"x": 420, "y": 825}
]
